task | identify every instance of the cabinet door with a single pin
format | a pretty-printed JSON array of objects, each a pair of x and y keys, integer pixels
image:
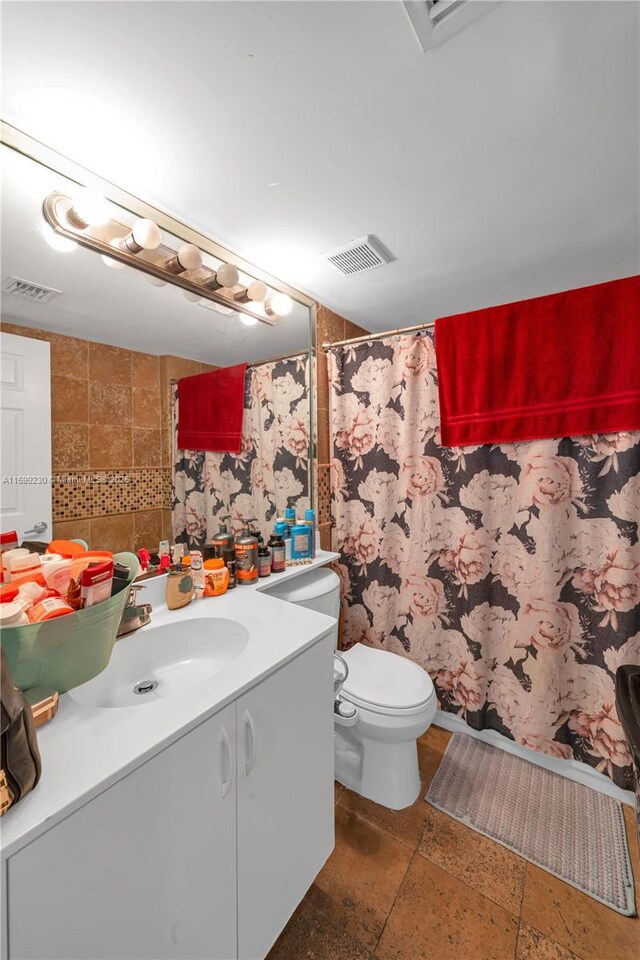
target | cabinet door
[
  {"x": 145, "y": 870},
  {"x": 285, "y": 794}
]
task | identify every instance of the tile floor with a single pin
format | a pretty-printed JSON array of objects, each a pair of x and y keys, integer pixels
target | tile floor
[{"x": 417, "y": 885}]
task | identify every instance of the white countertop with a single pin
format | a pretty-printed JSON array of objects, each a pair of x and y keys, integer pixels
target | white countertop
[{"x": 86, "y": 749}]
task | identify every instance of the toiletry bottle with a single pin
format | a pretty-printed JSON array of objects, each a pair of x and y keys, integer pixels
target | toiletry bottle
[
  {"x": 246, "y": 547},
  {"x": 310, "y": 520},
  {"x": 197, "y": 572},
  {"x": 216, "y": 577},
  {"x": 278, "y": 551},
  {"x": 256, "y": 533},
  {"x": 223, "y": 539},
  {"x": 264, "y": 562},
  {"x": 231, "y": 567},
  {"x": 282, "y": 529},
  {"x": 178, "y": 589},
  {"x": 300, "y": 542},
  {"x": 290, "y": 517},
  {"x": 95, "y": 583},
  {"x": 8, "y": 541}
]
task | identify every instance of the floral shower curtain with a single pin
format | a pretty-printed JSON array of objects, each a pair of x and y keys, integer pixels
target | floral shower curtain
[
  {"x": 268, "y": 474},
  {"x": 511, "y": 572}
]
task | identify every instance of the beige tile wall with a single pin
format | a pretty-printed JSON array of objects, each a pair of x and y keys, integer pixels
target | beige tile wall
[
  {"x": 330, "y": 328},
  {"x": 111, "y": 419}
]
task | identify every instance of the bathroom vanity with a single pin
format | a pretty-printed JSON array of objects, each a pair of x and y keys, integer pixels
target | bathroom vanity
[{"x": 189, "y": 824}]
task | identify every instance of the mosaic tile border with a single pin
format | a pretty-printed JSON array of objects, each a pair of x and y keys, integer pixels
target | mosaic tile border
[
  {"x": 324, "y": 493},
  {"x": 83, "y": 494}
]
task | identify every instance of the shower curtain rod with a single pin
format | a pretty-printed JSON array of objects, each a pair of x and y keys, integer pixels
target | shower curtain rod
[
  {"x": 286, "y": 356},
  {"x": 380, "y": 336}
]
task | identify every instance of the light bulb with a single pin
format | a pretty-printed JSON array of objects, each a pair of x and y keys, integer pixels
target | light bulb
[
  {"x": 282, "y": 304},
  {"x": 227, "y": 275},
  {"x": 257, "y": 290},
  {"x": 188, "y": 257},
  {"x": 145, "y": 235},
  {"x": 157, "y": 282},
  {"x": 247, "y": 320},
  {"x": 90, "y": 209},
  {"x": 110, "y": 262},
  {"x": 191, "y": 297},
  {"x": 56, "y": 241}
]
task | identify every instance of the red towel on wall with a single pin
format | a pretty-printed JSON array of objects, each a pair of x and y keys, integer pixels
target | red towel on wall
[
  {"x": 211, "y": 410},
  {"x": 567, "y": 364}
]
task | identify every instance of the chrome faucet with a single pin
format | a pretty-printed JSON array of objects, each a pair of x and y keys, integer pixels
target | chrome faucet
[{"x": 134, "y": 615}]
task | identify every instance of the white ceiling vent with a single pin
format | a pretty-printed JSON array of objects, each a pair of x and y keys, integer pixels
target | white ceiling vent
[
  {"x": 435, "y": 21},
  {"x": 358, "y": 256},
  {"x": 27, "y": 290}
]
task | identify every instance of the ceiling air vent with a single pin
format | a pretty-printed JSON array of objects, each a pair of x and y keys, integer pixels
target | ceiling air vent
[
  {"x": 27, "y": 290},
  {"x": 435, "y": 21},
  {"x": 358, "y": 256}
]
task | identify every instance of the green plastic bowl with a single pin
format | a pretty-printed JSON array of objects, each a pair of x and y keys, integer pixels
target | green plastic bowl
[{"x": 63, "y": 653}]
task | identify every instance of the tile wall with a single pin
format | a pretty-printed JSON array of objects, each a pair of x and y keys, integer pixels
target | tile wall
[{"x": 111, "y": 440}]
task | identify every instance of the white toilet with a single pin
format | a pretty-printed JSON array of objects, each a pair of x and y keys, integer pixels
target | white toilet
[{"x": 385, "y": 704}]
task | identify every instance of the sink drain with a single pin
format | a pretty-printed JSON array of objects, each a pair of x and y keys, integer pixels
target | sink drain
[{"x": 145, "y": 686}]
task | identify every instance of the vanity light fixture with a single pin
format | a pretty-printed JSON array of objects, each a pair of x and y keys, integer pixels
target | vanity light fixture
[
  {"x": 144, "y": 235},
  {"x": 188, "y": 257},
  {"x": 248, "y": 321},
  {"x": 280, "y": 305},
  {"x": 57, "y": 242},
  {"x": 227, "y": 276},
  {"x": 110, "y": 262},
  {"x": 141, "y": 246},
  {"x": 89, "y": 209}
]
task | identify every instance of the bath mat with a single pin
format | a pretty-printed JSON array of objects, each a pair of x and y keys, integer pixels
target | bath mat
[{"x": 568, "y": 829}]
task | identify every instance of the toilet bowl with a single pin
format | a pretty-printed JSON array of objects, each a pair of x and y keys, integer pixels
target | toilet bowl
[{"x": 385, "y": 704}]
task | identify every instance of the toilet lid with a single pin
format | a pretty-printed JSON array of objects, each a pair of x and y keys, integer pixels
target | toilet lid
[{"x": 385, "y": 679}]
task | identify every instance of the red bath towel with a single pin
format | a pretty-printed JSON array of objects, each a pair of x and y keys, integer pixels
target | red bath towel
[
  {"x": 211, "y": 410},
  {"x": 567, "y": 364}
]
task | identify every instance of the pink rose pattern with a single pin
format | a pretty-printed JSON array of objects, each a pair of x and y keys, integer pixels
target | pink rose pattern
[
  {"x": 510, "y": 572},
  {"x": 271, "y": 470}
]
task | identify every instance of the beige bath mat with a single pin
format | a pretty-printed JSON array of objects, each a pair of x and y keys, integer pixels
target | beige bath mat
[{"x": 574, "y": 832}]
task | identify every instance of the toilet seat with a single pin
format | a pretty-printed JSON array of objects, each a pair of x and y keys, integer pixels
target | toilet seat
[{"x": 386, "y": 683}]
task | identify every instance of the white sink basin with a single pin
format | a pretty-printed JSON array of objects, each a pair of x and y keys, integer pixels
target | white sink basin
[{"x": 160, "y": 662}]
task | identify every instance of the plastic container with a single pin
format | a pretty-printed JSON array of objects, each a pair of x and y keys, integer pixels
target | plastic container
[
  {"x": 264, "y": 562},
  {"x": 216, "y": 578},
  {"x": 49, "y": 609},
  {"x": 67, "y": 548},
  {"x": 96, "y": 583},
  {"x": 301, "y": 542},
  {"x": 12, "y": 615},
  {"x": 22, "y": 566},
  {"x": 57, "y": 575},
  {"x": 63, "y": 653}
]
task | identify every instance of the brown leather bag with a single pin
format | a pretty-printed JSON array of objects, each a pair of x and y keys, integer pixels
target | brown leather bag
[{"x": 19, "y": 756}]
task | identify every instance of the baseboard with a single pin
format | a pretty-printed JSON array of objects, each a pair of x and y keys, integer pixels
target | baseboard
[{"x": 571, "y": 769}]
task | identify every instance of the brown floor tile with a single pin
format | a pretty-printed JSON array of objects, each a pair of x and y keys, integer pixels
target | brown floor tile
[
  {"x": 69, "y": 400},
  {"x": 634, "y": 846},
  {"x": 109, "y": 403},
  {"x": 437, "y": 917},
  {"x": 533, "y": 945},
  {"x": 69, "y": 446},
  {"x": 576, "y": 921},
  {"x": 110, "y": 447},
  {"x": 109, "y": 364},
  {"x": 436, "y": 739},
  {"x": 405, "y": 825},
  {"x": 147, "y": 447},
  {"x": 112, "y": 533},
  {"x": 311, "y": 934},
  {"x": 145, "y": 405},
  {"x": 467, "y": 855},
  {"x": 361, "y": 877},
  {"x": 338, "y": 791}
]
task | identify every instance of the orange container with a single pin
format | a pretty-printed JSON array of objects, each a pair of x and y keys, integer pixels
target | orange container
[
  {"x": 48, "y": 609},
  {"x": 66, "y": 548},
  {"x": 216, "y": 578}
]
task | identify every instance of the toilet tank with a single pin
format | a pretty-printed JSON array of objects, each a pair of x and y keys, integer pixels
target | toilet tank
[{"x": 318, "y": 590}]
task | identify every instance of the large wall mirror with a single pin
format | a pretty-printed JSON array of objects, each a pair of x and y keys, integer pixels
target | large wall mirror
[{"x": 112, "y": 343}]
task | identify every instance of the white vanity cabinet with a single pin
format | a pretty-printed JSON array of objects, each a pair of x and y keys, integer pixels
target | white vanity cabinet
[{"x": 204, "y": 850}]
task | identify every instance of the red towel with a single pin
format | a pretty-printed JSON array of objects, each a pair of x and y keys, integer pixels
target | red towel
[
  {"x": 211, "y": 410},
  {"x": 567, "y": 364}
]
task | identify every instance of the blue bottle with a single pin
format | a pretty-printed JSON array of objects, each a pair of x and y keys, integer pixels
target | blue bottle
[
  {"x": 310, "y": 520},
  {"x": 301, "y": 542}
]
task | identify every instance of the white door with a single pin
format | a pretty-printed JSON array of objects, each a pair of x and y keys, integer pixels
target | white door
[
  {"x": 145, "y": 870},
  {"x": 25, "y": 402},
  {"x": 285, "y": 794}
]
